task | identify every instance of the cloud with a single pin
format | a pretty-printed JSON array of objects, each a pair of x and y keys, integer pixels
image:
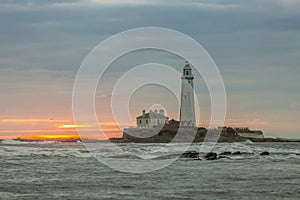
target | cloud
[
  {"x": 195, "y": 4},
  {"x": 33, "y": 121},
  {"x": 103, "y": 96},
  {"x": 198, "y": 4},
  {"x": 289, "y": 2},
  {"x": 255, "y": 44},
  {"x": 122, "y": 2}
]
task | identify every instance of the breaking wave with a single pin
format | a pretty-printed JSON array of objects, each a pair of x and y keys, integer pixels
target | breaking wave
[{"x": 244, "y": 150}]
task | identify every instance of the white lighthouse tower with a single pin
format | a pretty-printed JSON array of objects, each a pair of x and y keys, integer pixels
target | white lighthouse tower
[{"x": 187, "y": 107}]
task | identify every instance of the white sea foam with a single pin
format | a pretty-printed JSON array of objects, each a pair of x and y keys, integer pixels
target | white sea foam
[
  {"x": 11, "y": 148},
  {"x": 10, "y": 142}
]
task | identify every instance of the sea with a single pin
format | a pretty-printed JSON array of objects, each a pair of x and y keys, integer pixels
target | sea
[{"x": 66, "y": 170}]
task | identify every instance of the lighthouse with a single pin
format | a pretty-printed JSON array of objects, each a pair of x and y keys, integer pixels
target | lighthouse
[{"x": 187, "y": 107}]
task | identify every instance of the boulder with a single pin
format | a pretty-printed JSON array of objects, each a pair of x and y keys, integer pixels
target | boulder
[
  {"x": 190, "y": 154},
  {"x": 264, "y": 153},
  {"x": 211, "y": 156}
]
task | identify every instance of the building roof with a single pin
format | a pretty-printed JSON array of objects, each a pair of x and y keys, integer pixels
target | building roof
[
  {"x": 152, "y": 114},
  {"x": 187, "y": 65}
]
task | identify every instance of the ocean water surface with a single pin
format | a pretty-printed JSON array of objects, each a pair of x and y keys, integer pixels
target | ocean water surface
[{"x": 55, "y": 170}]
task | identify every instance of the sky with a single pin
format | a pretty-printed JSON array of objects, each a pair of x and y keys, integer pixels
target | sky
[{"x": 255, "y": 44}]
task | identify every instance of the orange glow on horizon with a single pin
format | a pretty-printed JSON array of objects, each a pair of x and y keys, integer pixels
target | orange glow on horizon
[
  {"x": 73, "y": 125},
  {"x": 62, "y": 137},
  {"x": 49, "y": 137}
]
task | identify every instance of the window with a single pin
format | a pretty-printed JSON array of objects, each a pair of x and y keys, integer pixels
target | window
[
  {"x": 140, "y": 121},
  {"x": 187, "y": 73},
  {"x": 146, "y": 121}
]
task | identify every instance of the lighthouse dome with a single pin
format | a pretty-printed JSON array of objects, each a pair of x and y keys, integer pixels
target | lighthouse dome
[{"x": 187, "y": 65}]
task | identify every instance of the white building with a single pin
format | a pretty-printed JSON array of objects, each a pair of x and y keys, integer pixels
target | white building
[
  {"x": 151, "y": 119},
  {"x": 187, "y": 107}
]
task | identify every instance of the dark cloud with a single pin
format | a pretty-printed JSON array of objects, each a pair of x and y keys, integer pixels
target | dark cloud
[
  {"x": 242, "y": 26},
  {"x": 256, "y": 44}
]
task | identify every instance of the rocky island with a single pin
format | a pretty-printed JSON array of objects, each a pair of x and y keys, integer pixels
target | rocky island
[{"x": 167, "y": 134}]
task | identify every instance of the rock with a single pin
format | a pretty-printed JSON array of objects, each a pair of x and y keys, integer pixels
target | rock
[
  {"x": 190, "y": 154},
  {"x": 236, "y": 153},
  {"x": 225, "y": 153},
  {"x": 211, "y": 156},
  {"x": 264, "y": 153}
]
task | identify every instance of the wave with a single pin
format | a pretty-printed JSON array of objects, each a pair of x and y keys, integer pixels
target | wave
[
  {"x": 52, "y": 149},
  {"x": 10, "y": 141}
]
